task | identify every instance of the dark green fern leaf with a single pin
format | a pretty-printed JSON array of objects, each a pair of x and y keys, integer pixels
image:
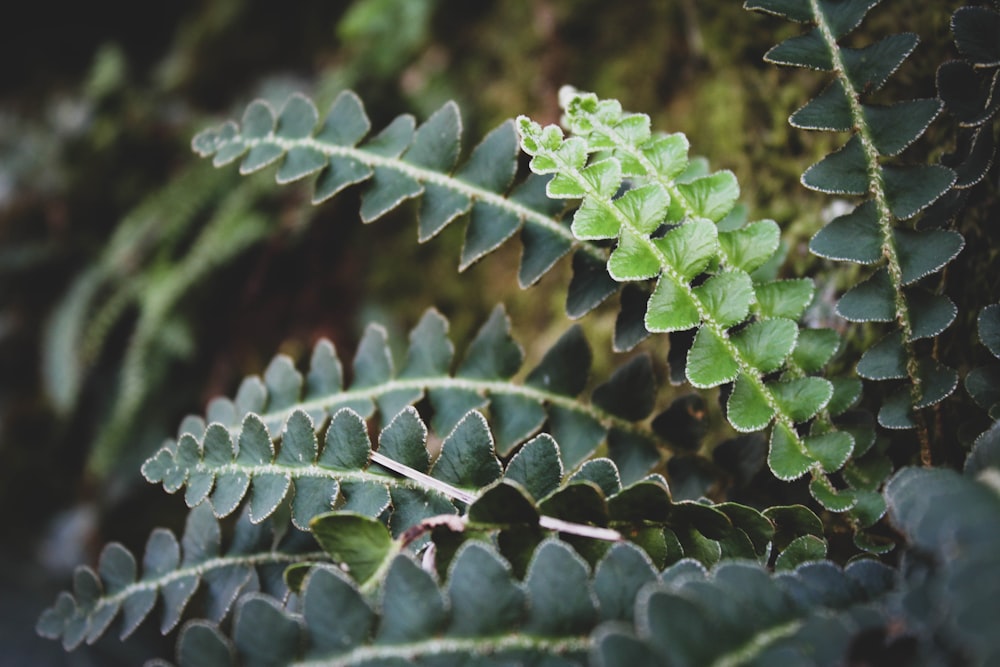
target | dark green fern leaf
[{"x": 173, "y": 572}]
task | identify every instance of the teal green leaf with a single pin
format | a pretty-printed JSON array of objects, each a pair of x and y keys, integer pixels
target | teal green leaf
[
  {"x": 467, "y": 458},
  {"x": 506, "y": 503},
  {"x": 726, "y": 296},
  {"x": 537, "y": 466},
  {"x": 831, "y": 498},
  {"x": 671, "y": 308},
  {"x": 923, "y": 253},
  {"x": 437, "y": 141},
  {"x": 844, "y": 172},
  {"x": 709, "y": 361},
  {"x": 337, "y": 617},
  {"x": 930, "y": 313},
  {"x": 868, "y": 68},
  {"x": 748, "y": 408},
  {"x": 854, "y": 237},
  {"x": 514, "y": 419},
  {"x": 766, "y": 344},
  {"x": 347, "y": 445},
  {"x": 871, "y": 301},
  {"x": 403, "y": 440},
  {"x": 361, "y": 545},
  {"x": 300, "y": 162},
  {"x": 784, "y": 298},
  {"x": 413, "y": 606},
  {"x": 808, "y": 50},
  {"x": 989, "y": 328},
  {"x": 829, "y": 111},
  {"x": 814, "y": 348},
  {"x": 297, "y": 118},
  {"x": 983, "y": 385},
  {"x": 897, "y": 412},
  {"x": 340, "y": 173},
  {"x": 786, "y": 457},
  {"x": 618, "y": 578},
  {"x": 802, "y": 550},
  {"x": 488, "y": 228},
  {"x": 258, "y": 120},
  {"x": 201, "y": 645},
  {"x": 484, "y": 597},
  {"x": 558, "y": 586},
  {"x": 911, "y": 189},
  {"x": 263, "y": 631},
  {"x": 886, "y": 360},
  {"x": 346, "y": 123},
  {"x": 801, "y": 398},
  {"x": 602, "y": 472},
  {"x": 937, "y": 382},
  {"x": 895, "y": 127},
  {"x": 388, "y": 189},
  {"x": 493, "y": 162},
  {"x": 750, "y": 247},
  {"x": 258, "y": 157}
]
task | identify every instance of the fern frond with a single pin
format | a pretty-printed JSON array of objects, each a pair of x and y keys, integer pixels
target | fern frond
[
  {"x": 407, "y": 162},
  {"x": 874, "y": 232},
  {"x": 618, "y": 152},
  {"x": 549, "y": 394},
  {"x": 399, "y": 483},
  {"x": 617, "y": 614},
  {"x": 173, "y": 572}
]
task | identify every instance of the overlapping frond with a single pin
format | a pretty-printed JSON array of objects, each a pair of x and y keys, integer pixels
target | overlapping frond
[
  {"x": 404, "y": 162},
  {"x": 635, "y": 188},
  {"x": 173, "y": 572},
  {"x": 875, "y": 232}
]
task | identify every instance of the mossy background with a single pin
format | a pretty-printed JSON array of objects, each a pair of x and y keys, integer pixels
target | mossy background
[{"x": 97, "y": 110}]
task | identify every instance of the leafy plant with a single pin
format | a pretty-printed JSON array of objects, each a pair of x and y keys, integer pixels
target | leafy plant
[{"x": 510, "y": 514}]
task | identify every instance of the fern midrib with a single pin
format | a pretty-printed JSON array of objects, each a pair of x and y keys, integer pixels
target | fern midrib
[
  {"x": 757, "y": 645},
  {"x": 488, "y": 387},
  {"x": 745, "y": 368},
  {"x": 423, "y": 175},
  {"x": 199, "y": 570},
  {"x": 876, "y": 186},
  {"x": 476, "y": 646}
]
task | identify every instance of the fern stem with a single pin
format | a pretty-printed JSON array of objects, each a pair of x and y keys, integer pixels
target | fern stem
[
  {"x": 492, "y": 387},
  {"x": 458, "y": 646},
  {"x": 876, "y": 186},
  {"x": 423, "y": 175},
  {"x": 199, "y": 570}
]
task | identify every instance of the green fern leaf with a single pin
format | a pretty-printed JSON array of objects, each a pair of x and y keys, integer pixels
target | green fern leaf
[
  {"x": 872, "y": 234},
  {"x": 692, "y": 244},
  {"x": 404, "y": 162},
  {"x": 173, "y": 572}
]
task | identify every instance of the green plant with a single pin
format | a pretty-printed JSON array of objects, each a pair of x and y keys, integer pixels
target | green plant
[{"x": 506, "y": 514}]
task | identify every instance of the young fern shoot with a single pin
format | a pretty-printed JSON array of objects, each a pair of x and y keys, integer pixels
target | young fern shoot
[{"x": 633, "y": 189}]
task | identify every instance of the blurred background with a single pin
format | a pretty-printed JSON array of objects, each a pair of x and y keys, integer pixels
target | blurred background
[{"x": 137, "y": 282}]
